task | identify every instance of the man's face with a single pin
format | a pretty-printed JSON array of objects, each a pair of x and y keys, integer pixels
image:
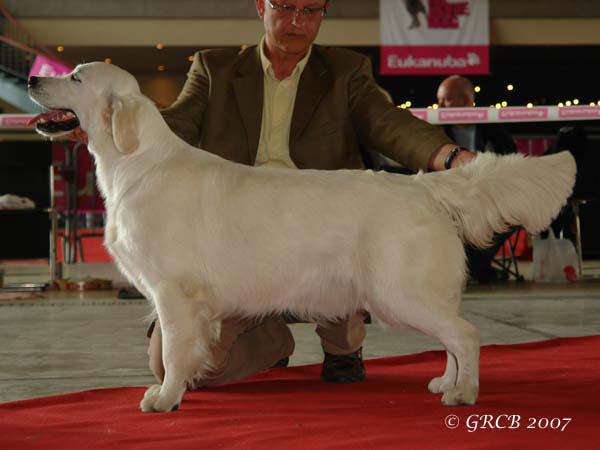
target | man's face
[
  {"x": 289, "y": 31},
  {"x": 450, "y": 95}
]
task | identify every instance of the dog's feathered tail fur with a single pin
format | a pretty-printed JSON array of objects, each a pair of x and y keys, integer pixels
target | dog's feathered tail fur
[{"x": 495, "y": 192}]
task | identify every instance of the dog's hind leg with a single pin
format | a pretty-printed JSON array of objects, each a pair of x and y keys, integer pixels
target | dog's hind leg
[
  {"x": 460, "y": 381},
  {"x": 447, "y": 381},
  {"x": 461, "y": 338},
  {"x": 187, "y": 334}
]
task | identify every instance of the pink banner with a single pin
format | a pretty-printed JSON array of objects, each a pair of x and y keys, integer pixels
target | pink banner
[
  {"x": 469, "y": 114},
  {"x": 20, "y": 121},
  {"x": 432, "y": 60},
  {"x": 578, "y": 112},
  {"x": 539, "y": 113},
  {"x": 46, "y": 67}
]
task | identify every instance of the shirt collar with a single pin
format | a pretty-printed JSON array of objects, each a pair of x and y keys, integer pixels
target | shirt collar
[{"x": 268, "y": 67}]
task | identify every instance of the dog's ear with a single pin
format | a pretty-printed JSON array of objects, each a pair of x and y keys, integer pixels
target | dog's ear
[{"x": 124, "y": 127}]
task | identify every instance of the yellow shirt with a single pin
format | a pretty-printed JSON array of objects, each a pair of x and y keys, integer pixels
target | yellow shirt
[{"x": 278, "y": 108}]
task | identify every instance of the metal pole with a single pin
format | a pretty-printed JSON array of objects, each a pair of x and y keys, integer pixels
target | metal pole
[
  {"x": 575, "y": 206},
  {"x": 55, "y": 266}
]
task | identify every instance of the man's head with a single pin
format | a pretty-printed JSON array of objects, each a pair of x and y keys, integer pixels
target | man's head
[
  {"x": 455, "y": 91},
  {"x": 291, "y": 26}
]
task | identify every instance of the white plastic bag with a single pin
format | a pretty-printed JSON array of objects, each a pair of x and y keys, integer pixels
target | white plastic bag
[
  {"x": 554, "y": 260},
  {"x": 9, "y": 201}
]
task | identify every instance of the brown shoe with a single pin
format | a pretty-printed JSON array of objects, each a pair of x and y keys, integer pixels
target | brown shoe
[{"x": 343, "y": 369}]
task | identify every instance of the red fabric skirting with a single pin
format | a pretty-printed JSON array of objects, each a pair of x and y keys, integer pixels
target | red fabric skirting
[{"x": 292, "y": 409}]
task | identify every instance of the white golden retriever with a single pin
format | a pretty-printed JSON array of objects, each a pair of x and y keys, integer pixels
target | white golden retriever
[{"x": 204, "y": 238}]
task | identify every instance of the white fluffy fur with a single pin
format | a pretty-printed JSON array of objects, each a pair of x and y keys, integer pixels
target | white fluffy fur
[{"x": 205, "y": 238}]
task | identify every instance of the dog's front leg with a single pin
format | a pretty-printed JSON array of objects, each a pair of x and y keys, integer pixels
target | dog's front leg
[{"x": 187, "y": 334}]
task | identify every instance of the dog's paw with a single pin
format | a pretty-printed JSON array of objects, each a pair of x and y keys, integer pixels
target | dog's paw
[
  {"x": 440, "y": 385},
  {"x": 153, "y": 402},
  {"x": 460, "y": 395}
]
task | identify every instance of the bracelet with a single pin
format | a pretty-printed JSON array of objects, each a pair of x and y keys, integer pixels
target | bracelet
[{"x": 450, "y": 156}]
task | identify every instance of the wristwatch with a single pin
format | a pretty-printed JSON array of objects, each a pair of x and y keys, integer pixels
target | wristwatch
[{"x": 450, "y": 156}]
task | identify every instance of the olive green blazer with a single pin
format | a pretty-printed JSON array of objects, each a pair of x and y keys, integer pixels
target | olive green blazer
[{"x": 339, "y": 109}]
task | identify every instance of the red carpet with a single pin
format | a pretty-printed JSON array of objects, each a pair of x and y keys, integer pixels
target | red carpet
[{"x": 292, "y": 409}]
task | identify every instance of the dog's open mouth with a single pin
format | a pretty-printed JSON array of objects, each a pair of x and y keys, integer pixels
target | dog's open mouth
[{"x": 55, "y": 121}]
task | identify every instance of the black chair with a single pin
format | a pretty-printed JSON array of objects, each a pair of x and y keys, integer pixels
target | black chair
[{"x": 25, "y": 171}]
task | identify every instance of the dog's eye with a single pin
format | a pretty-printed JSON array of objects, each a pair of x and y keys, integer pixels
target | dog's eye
[{"x": 74, "y": 78}]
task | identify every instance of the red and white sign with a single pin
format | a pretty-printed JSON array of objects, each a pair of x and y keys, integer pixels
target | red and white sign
[
  {"x": 580, "y": 112},
  {"x": 457, "y": 115},
  {"x": 425, "y": 37},
  {"x": 445, "y": 116},
  {"x": 519, "y": 113},
  {"x": 15, "y": 121},
  {"x": 513, "y": 114}
]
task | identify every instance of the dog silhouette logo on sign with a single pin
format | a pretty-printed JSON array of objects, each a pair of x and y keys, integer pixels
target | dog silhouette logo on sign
[{"x": 442, "y": 13}]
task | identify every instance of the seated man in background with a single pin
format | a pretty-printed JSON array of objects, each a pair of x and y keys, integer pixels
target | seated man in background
[{"x": 456, "y": 92}]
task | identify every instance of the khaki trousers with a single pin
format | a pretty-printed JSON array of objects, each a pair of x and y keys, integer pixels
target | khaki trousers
[{"x": 246, "y": 346}]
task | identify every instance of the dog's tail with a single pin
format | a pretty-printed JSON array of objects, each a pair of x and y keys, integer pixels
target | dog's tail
[{"x": 494, "y": 192}]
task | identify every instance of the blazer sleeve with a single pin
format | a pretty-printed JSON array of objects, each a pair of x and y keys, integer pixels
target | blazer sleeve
[
  {"x": 382, "y": 127},
  {"x": 186, "y": 114}
]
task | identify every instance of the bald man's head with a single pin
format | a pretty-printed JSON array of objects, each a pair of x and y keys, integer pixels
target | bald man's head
[{"x": 455, "y": 91}]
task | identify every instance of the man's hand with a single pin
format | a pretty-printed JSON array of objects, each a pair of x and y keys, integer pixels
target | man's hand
[{"x": 439, "y": 157}]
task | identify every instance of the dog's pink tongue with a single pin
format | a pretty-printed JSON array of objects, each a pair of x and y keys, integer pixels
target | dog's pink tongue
[{"x": 47, "y": 116}]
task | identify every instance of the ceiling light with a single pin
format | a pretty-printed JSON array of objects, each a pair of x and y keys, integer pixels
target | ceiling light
[
  {"x": 60, "y": 49},
  {"x": 190, "y": 58},
  {"x": 160, "y": 46},
  {"x": 568, "y": 103},
  {"x": 504, "y": 104},
  {"x": 436, "y": 106},
  {"x": 576, "y": 101},
  {"x": 561, "y": 104},
  {"x": 108, "y": 61},
  {"x": 510, "y": 87},
  {"x": 477, "y": 88},
  {"x": 408, "y": 104},
  {"x": 161, "y": 68},
  {"x": 530, "y": 105}
]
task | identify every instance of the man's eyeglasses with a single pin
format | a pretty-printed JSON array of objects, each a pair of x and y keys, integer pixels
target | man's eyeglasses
[{"x": 292, "y": 11}]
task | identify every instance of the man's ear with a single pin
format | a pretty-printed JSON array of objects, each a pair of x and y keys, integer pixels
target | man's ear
[
  {"x": 260, "y": 8},
  {"x": 123, "y": 120}
]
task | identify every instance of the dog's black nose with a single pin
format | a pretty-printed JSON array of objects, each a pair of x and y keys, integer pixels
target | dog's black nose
[{"x": 33, "y": 81}]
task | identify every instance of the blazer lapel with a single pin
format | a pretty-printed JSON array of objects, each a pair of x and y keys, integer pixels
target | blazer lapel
[
  {"x": 248, "y": 86},
  {"x": 314, "y": 84}
]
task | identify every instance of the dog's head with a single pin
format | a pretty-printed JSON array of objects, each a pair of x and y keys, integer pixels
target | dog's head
[{"x": 97, "y": 96}]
